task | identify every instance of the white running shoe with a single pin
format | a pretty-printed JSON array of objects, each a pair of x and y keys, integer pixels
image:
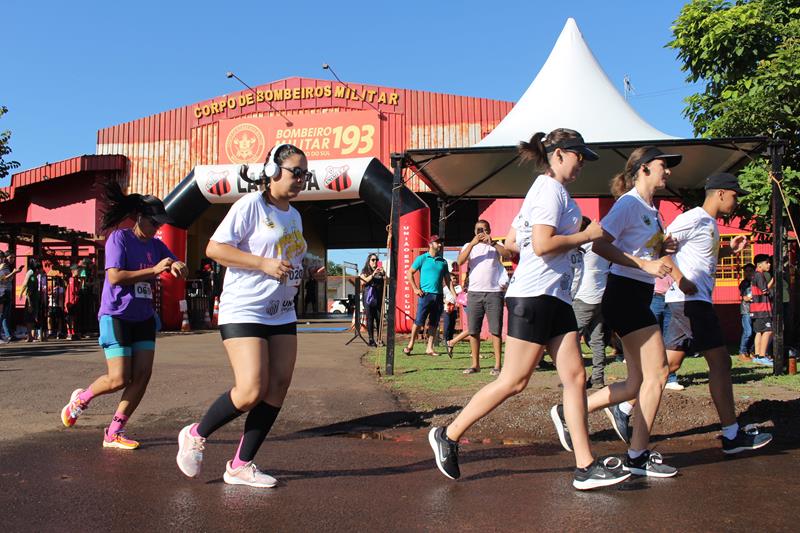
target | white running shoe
[
  {"x": 190, "y": 452},
  {"x": 248, "y": 474},
  {"x": 673, "y": 385}
]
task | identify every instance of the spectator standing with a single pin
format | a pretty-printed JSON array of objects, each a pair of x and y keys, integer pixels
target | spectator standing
[
  {"x": 746, "y": 293},
  {"x": 485, "y": 297},
  {"x": 30, "y": 291},
  {"x": 372, "y": 278},
  {"x": 433, "y": 274},
  {"x": 761, "y": 308},
  {"x": 55, "y": 309},
  {"x": 7, "y": 272},
  {"x": 588, "y": 313}
]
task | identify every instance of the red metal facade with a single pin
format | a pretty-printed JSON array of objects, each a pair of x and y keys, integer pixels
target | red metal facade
[
  {"x": 84, "y": 163},
  {"x": 163, "y": 148}
]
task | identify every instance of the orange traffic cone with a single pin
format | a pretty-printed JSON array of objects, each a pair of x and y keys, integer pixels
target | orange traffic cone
[
  {"x": 215, "y": 317},
  {"x": 206, "y": 320},
  {"x": 185, "y": 323}
]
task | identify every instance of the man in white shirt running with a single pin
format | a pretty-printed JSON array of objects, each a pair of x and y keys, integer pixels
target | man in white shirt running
[{"x": 694, "y": 326}]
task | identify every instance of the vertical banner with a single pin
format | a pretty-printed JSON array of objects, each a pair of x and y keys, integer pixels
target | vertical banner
[
  {"x": 414, "y": 234},
  {"x": 340, "y": 135}
]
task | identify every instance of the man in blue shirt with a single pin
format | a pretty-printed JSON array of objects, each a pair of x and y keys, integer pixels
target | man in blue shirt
[{"x": 433, "y": 273}]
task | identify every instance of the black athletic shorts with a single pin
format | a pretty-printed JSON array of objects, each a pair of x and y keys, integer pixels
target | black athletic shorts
[
  {"x": 762, "y": 325},
  {"x": 539, "y": 319},
  {"x": 693, "y": 327},
  {"x": 626, "y": 305},
  {"x": 263, "y": 331}
]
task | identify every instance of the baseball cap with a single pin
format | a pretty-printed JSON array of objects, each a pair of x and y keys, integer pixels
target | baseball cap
[
  {"x": 434, "y": 238},
  {"x": 725, "y": 181},
  {"x": 153, "y": 208},
  {"x": 652, "y": 153},
  {"x": 575, "y": 144}
]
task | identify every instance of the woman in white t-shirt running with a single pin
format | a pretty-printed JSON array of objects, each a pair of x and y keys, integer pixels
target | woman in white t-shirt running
[
  {"x": 634, "y": 242},
  {"x": 545, "y": 232},
  {"x": 261, "y": 243}
]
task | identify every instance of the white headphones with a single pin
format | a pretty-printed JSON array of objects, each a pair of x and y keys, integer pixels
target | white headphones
[{"x": 271, "y": 168}]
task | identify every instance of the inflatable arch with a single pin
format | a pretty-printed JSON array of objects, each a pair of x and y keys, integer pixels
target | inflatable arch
[{"x": 340, "y": 179}]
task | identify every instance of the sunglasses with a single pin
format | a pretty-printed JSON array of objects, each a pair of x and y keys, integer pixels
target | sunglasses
[
  {"x": 373, "y": 260},
  {"x": 299, "y": 173}
]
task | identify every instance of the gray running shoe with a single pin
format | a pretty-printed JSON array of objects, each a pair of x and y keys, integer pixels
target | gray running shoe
[
  {"x": 747, "y": 438},
  {"x": 445, "y": 451},
  {"x": 649, "y": 464},
  {"x": 604, "y": 471},
  {"x": 557, "y": 415},
  {"x": 619, "y": 421}
]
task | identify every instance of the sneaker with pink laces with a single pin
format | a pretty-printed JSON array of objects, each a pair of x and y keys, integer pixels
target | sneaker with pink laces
[
  {"x": 248, "y": 474},
  {"x": 190, "y": 452},
  {"x": 71, "y": 411},
  {"x": 118, "y": 440}
]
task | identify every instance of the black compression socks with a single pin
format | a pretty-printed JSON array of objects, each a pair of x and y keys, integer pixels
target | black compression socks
[
  {"x": 256, "y": 427},
  {"x": 220, "y": 413}
]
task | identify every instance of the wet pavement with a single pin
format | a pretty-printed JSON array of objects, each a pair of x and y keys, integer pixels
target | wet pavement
[{"x": 348, "y": 455}]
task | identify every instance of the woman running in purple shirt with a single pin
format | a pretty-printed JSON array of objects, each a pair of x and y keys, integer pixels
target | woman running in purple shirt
[{"x": 128, "y": 323}]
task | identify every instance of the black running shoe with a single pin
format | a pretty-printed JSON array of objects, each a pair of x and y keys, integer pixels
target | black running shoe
[
  {"x": 604, "y": 471},
  {"x": 748, "y": 438},
  {"x": 619, "y": 421},
  {"x": 445, "y": 451},
  {"x": 649, "y": 464},
  {"x": 557, "y": 414}
]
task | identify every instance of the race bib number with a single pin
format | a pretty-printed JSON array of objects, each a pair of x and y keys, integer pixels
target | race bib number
[
  {"x": 143, "y": 290},
  {"x": 294, "y": 277}
]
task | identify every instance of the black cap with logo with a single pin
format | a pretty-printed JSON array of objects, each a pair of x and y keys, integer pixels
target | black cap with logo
[{"x": 725, "y": 181}]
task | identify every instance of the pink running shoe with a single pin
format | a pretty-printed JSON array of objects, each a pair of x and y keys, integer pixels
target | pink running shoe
[
  {"x": 248, "y": 474},
  {"x": 190, "y": 452},
  {"x": 71, "y": 411},
  {"x": 118, "y": 440}
]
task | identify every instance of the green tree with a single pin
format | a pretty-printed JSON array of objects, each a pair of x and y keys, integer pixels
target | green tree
[
  {"x": 5, "y": 166},
  {"x": 334, "y": 269},
  {"x": 745, "y": 54}
]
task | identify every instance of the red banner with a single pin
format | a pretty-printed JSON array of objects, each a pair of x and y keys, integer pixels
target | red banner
[{"x": 321, "y": 136}]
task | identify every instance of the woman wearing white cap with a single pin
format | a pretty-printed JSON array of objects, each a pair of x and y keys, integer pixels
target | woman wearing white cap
[
  {"x": 545, "y": 233},
  {"x": 634, "y": 242}
]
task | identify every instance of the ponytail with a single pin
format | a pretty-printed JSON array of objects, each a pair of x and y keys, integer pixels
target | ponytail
[
  {"x": 540, "y": 145},
  {"x": 625, "y": 180},
  {"x": 118, "y": 204},
  {"x": 535, "y": 151}
]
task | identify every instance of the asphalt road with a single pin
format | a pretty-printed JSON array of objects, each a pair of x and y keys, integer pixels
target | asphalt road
[{"x": 348, "y": 455}]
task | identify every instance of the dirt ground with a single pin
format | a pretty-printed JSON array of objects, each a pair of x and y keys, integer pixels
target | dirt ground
[{"x": 526, "y": 417}]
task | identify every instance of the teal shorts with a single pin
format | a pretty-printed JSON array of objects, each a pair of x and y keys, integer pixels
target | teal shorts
[{"x": 120, "y": 337}]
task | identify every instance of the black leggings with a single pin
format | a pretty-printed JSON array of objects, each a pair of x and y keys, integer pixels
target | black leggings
[{"x": 373, "y": 316}]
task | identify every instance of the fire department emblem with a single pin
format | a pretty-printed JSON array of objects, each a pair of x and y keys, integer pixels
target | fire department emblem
[
  {"x": 217, "y": 183},
  {"x": 245, "y": 144},
  {"x": 337, "y": 179}
]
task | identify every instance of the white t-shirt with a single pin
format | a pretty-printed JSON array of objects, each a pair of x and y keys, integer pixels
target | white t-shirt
[
  {"x": 485, "y": 269},
  {"x": 250, "y": 296},
  {"x": 637, "y": 229},
  {"x": 697, "y": 234},
  {"x": 547, "y": 203},
  {"x": 595, "y": 274}
]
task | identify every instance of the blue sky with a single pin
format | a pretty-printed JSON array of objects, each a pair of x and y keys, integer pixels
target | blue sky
[{"x": 71, "y": 68}]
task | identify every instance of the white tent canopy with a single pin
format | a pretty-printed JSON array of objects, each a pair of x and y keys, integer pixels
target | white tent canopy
[{"x": 572, "y": 91}]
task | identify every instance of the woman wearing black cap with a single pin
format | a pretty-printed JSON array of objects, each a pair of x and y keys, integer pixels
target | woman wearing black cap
[
  {"x": 261, "y": 242},
  {"x": 634, "y": 242},
  {"x": 128, "y": 323},
  {"x": 544, "y": 233}
]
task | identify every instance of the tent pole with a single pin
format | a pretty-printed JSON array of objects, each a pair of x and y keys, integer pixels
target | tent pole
[
  {"x": 776, "y": 149},
  {"x": 442, "y": 218},
  {"x": 397, "y": 183}
]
